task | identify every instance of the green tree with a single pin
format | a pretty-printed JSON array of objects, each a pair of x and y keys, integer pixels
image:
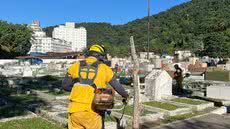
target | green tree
[
  {"x": 14, "y": 40},
  {"x": 214, "y": 45}
]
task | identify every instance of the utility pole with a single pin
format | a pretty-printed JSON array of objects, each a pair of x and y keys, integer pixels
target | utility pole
[
  {"x": 148, "y": 28},
  {"x": 136, "y": 104}
]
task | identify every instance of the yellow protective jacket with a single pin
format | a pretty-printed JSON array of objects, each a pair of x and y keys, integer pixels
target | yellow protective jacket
[{"x": 81, "y": 96}]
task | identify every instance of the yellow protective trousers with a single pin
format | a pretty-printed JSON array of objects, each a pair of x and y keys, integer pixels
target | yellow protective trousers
[{"x": 84, "y": 120}]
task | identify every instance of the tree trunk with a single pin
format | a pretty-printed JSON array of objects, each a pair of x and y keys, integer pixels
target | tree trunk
[{"x": 136, "y": 105}]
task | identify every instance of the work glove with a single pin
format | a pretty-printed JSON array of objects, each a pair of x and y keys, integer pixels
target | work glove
[{"x": 124, "y": 101}]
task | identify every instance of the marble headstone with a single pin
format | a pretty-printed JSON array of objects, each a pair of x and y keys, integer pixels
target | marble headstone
[{"x": 158, "y": 84}]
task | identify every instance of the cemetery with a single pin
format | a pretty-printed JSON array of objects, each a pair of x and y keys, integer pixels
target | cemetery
[{"x": 33, "y": 93}]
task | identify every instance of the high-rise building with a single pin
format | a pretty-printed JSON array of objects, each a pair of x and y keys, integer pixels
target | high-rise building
[
  {"x": 35, "y": 25},
  {"x": 43, "y": 44},
  {"x": 68, "y": 32}
]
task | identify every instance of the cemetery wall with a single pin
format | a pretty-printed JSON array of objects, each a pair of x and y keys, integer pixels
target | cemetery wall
[
  {"x": 59, "y": 60},
  {"x": 2, "y": 62}
]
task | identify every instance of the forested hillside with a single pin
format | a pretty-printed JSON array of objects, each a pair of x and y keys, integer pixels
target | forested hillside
[{"x": 202, "y": 26}]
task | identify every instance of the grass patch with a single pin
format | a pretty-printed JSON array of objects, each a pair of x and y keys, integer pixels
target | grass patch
[
  {"x": 163, "y": 105},
  {"x": 5, "y": 91},
  {"x": 11, "y": 111},
  {"x": 188, "y": 101},
  {"x": 180, "y": 117},
  {"x": 35, "y": 123},
  {"x": 129, "y": 111}
]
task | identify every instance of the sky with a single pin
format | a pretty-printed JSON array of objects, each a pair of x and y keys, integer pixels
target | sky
[{"x": 54, "y": 12}]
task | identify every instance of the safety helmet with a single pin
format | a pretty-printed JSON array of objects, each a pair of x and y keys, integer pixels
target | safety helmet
[{"x": 98, "y": 48}]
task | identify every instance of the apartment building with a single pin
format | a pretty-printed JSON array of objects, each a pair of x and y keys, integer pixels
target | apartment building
[
  {"x": 68, "y": 32},
  {"x": 43, "y": 44}
]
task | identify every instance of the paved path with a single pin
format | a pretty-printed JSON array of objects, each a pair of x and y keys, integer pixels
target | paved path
[{"x": 210, "y": 121}]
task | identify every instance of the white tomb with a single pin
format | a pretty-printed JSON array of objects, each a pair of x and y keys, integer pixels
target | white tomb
[
  {"x": 158, "y": 85},
  {"x": 219, "y": 92}
]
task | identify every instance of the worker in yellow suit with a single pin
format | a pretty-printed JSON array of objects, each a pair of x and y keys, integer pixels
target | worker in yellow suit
[{"x": 82, "y": 79}]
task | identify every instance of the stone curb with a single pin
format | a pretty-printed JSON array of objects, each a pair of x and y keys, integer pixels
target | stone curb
[
  {"x": 152, "y": 117},
  {"x": 44, "y": 96},
  {"x": 54, "y": 116},
  {"x": 220, "y": 111},
  {"x": 204, "y": 106}
]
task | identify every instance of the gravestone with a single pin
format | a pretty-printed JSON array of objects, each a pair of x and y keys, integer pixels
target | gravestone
[
  {"x": 27, "y": 72},
  {"x": 157, "y": 62},
  {"x": 158, "y": 85},
  {"x": 148, "y": 67}
]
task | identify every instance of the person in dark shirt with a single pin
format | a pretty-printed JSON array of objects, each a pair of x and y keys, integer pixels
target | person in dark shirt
[{"x": 179, "y": 79}]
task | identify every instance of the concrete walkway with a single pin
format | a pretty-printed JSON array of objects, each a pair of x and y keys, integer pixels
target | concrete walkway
[{"x": 210, "y": 121}]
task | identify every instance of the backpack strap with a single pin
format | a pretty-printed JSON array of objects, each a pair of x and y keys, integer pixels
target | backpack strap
[{"x": 87, "y": 68}]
